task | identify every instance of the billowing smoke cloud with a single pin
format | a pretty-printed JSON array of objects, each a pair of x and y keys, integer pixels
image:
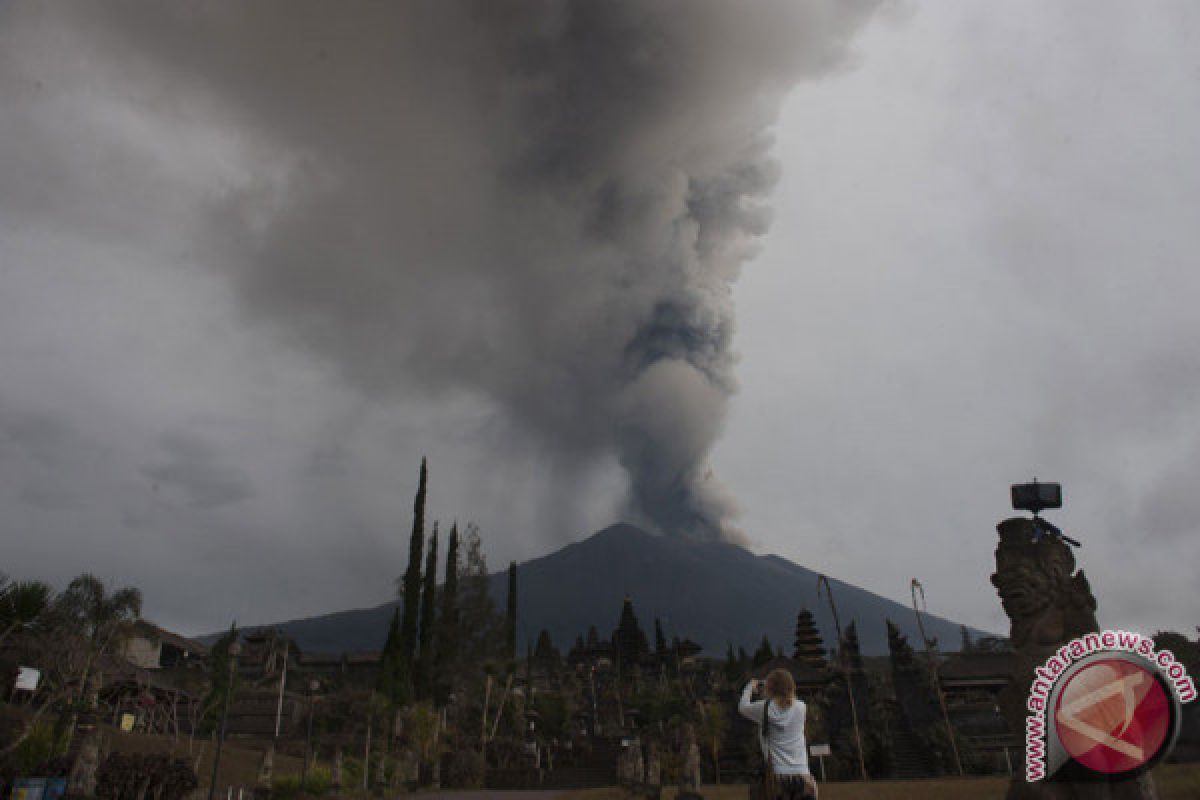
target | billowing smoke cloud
[{"x": 543, "y": 204}]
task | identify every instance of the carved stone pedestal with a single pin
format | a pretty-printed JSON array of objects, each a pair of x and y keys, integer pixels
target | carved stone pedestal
[{"x": 1048, "y": 603}]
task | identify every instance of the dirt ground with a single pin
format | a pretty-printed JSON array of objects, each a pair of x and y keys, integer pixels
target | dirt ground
[
  {"x": 1174, "y": 782},
  {"x": 239, "y": 760}
]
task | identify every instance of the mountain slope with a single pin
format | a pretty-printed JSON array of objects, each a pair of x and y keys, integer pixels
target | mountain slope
[{"x": 713, "y": 593}]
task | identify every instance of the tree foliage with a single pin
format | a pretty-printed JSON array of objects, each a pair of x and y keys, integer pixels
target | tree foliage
[
  {"x": 222, "y": 679},
  {"x": 510, "y": 615},
  {"x": 411, "y": 582},
  {"x": 24, "y": 606},
  {"x": 424, "y": 673},
  {"x": 763, "y": 654},
  {"x": 446, "y": 650}
]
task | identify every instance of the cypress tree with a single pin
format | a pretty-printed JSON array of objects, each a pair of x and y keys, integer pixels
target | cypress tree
[
  {"x": 412, "y": 578},
  {"x": 733, "y": 670},
  {"x": 853, "y": 653},
  {"x": 660, "y": 641},
  {"x": 424, "y": 673},
  {"x": 763, "y": 654},
  {"x": 223, "y": 682},
  {"x": 446, "y": 652},
  {"x": 390, "y": 672},
  {"x": 510, "y": 617}
]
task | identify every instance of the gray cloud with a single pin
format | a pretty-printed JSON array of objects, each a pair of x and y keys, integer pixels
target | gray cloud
[
  {"x": 980, "y": 272},
  {"x": 193, "y": 468},
  {"x": 544, "y": 203}
]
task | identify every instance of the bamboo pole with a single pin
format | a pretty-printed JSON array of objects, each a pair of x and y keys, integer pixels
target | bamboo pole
[
  {"x": 933, "y": 672},
  {"x": 862, "y": 764}
]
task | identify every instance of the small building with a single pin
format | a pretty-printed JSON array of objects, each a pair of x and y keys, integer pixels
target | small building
[
  {"x": 152, "y": 647},
  {"x": 971, "y": 683}
]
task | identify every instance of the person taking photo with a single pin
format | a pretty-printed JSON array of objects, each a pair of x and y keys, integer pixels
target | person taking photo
[{"x": 780, "y": 717}]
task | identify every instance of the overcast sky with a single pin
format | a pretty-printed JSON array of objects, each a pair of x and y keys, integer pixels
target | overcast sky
[{"x": 251, "y": 270}]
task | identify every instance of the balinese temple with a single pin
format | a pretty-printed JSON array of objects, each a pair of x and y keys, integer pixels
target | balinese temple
[
  {"x": 971, "y": 682},
  {"x": 808, "y": 665},
  {"x": 808, "y": 648},
  {"x": 629, "y": 641}
]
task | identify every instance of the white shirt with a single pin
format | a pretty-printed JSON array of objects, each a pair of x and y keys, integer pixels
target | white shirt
[{"x": 789, "y": 751}]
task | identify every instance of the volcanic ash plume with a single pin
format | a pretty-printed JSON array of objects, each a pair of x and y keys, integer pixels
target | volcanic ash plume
[{"x": 542, "y": 204}]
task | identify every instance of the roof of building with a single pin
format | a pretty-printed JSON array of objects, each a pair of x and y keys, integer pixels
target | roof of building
[
  {"x": 148, "y": 628},
  {"x": 978, "y": 666},
  {"x": 802, "y": 674}
]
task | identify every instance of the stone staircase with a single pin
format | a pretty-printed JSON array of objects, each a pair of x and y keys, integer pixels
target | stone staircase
[
  {"x": 909, "y": 759},
  {"x": 599, "y": 769}
]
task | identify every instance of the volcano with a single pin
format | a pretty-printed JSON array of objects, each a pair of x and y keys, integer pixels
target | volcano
[{"x": 714, "y": 593}]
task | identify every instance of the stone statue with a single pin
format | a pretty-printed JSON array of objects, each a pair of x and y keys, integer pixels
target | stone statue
[
  {"x": 335, "y": 775},
  {"x": 266, "y": 768},
  {"x": 1047, "y": 601},
  {"x": 381, "y": 770},
  {"x": 408, "y": 767},
  {"x": 1048, "y": 604},
  {"x": 82, "y": 778},
  {"x": 689, "y": 778},
  {"x": 653, "y": 766},
  {"x": 631, "y": 771}
]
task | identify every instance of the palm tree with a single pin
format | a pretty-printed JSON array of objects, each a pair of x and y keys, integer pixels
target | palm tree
[
  {"x": 23, "y": 606},
  {"x": 100, "y": 618}
]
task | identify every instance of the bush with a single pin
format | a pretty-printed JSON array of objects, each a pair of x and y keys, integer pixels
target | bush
[
  {"x": 464, "y": 770},
  {"x": 317, "y": 782},
  {"x": 124, "y": 775},
  {"x": 40, "y": 747}
]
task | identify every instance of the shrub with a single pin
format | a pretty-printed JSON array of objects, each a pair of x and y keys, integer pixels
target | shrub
[
  {"x": 464, "y": 770},
  {"x": 40, "y": 747},
  {"x": 156, "y": 776},
  {"x": 317, "y": 782}
]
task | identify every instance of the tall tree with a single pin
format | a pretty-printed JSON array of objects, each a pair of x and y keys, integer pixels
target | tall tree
[
  {"x": 223, "y": 681},
  {"x": 424, "y": 672},
  {"x": 446, "y": 650},
  {"x": 763, "y": 654},
  {"x": 411, "y": 584},
  {"x": 103, "y": 619},
  {"x": 733, "y": 668},
  {"x": 660, "y": 640},
  {"x": 510, "y": 616},
  {"x": 391, "y": 669},
  {"x": 479, "y": 631},
  {"x": 853, "y": 653}
]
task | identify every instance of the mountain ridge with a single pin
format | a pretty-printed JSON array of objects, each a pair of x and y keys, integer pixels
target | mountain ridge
[{"x": 715, "y": 593}]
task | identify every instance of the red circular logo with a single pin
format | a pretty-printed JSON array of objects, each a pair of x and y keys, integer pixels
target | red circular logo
[{"x": 1113, "y": 716}]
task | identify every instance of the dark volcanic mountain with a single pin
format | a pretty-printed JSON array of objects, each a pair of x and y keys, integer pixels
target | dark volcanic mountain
[{"x": 713, "y": 593}]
